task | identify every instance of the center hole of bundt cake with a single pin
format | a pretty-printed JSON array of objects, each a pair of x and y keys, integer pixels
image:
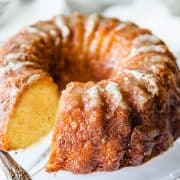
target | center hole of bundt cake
[
  {"x": 35, "y": 110},
  {"x": 81, "y": 70},
  {"x": 34, "y": 115}
]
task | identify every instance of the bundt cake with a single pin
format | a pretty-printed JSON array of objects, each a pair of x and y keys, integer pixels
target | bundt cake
[{"x": 121, "y": 109}]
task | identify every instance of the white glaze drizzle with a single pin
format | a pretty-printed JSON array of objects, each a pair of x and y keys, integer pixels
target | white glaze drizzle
[
  {"x": 91, "y": 24},
  {"x": 74, "y": 98},
  {"x": 92, "y": 97},
  {"x": 146, "y": 38},
  {"x": 71, "y": 86},
  {"x": 13, "y": 92},
  {"x": 145, "y": 49},
  {"x": 12, "y": 56},
  {"x": 156, "y": 68},
  {"x": 35, "y": 30},
  {"x": 149, "y": 78},
  {"x": 94, "y": 44},
  {"x": 158, "y": 59},
  {"x": 22, "y": 42},
  {"x": 120, "y": 27},
  {"x": 13, "y": 66},
  {"x": 57, "y": 41},
  {"x": 106, "y": 41},
  {"x": 113, "y": 89},
  {"x": 61, "y": 24},
  {"x": 33, "y": 77},
  {"x": 158, "y": 63},
  {"x": 142, "y": 100},
  {"x": 53, "y": 33},
  {"x": 108, "y": 38}
]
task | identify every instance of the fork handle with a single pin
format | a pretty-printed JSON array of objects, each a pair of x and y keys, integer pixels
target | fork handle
[{"x": 14, "y": 170}]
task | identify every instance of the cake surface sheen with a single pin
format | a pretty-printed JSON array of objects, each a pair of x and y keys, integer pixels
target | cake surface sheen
[{"x": 121, "y": 104}]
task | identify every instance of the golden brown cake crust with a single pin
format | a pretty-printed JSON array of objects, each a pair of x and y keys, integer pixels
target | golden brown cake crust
[{"x": 124, "y": 110}]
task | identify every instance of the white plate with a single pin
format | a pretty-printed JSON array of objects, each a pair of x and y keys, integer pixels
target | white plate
[{"x": 165, "y": 166}]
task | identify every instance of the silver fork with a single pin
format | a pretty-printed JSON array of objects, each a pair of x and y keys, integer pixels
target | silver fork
[{"x": 12, "y": 168}]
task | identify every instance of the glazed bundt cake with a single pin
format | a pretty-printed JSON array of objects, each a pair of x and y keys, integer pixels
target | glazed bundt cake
[{"x": 121, "y": 109}]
